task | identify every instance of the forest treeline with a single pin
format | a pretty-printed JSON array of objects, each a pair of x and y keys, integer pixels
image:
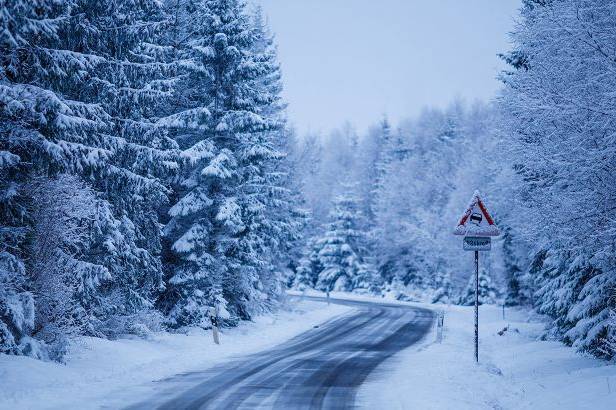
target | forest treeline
[
  {"x": 143, "y": 169},
  {"x": 148, "y": 174},
  {"x": 543, "y": 154}
]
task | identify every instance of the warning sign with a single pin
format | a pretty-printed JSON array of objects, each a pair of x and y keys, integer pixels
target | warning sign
[{"x": 476, "y": 220}]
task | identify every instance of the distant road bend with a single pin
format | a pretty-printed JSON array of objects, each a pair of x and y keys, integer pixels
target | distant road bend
[{"x": 319, "y": 369}]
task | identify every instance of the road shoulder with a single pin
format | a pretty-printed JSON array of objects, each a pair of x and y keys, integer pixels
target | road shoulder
[
  {"x": 101, "y": 373},
  {"x": 516, "y": 370}
]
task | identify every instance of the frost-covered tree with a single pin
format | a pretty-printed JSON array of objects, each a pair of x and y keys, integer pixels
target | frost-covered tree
[
  {"x": 128, "y": 82},
  {"x": 383, "y": 145},
  {"x": 230, "y": 215},
  {"x": 561, "y": 138},
  {"x": 30, "y": 114},
  {"x": 442, "y": 288},
  {"x": 77, "y": 96},
  {"x": 64, "y": 284},
  {"x": 341, "y": 253},
  {"x": 517, "y": 281},
  {"x": 281, "y": 217},
  {"x": 16, "y": 302},
  {"x": 488, "y": 292},
  {"x": 309, "y": 266},
  {"x": 194, "y": 277},
  {"x": 131, "y": 154}
]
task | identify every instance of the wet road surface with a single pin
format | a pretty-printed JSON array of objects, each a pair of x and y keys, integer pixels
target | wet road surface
[{"x": 319, "y": 369}]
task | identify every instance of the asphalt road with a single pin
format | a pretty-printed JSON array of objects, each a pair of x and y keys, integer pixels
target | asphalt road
[{"x": 319, "y": 369}]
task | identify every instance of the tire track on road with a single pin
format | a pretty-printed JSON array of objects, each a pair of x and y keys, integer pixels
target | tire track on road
[{"x": 319, "y": 369}]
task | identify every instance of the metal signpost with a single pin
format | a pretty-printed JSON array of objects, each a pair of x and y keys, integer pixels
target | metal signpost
[{"x": 477, "y": 227}]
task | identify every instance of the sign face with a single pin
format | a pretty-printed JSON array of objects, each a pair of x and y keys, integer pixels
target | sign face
[
  {"x": 476, "y": 220},
  {"x": 477, "y": 243}
]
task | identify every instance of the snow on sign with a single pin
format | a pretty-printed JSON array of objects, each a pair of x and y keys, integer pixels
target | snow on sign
[
  {"x": 476, "y": 221},
  {"x": 477, "y": 243}
]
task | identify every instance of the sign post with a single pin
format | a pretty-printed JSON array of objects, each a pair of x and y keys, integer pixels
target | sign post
[
  {"x": 476, "y": 306},
  {"x": 477, "y": 227}
]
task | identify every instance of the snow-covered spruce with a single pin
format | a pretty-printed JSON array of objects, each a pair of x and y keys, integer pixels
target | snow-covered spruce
[
  {"x": 561, "y": 137},
  {"x": 79, "y": 101},
  {"x": 488, "y": 292},
  {"x": 233, "y": 215},
  {"x": 337, "y": 260},
  {"x": 108, "y": 109}
]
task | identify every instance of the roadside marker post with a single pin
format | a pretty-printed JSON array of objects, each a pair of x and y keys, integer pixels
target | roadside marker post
[
  {"x": 214, "y": 321},
  {"x": 439, "y": 326},
  {"x": 477, "y": 227}
]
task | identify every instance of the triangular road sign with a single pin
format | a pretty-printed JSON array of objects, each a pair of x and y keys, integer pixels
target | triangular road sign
[{"x": 476, "y": 220}]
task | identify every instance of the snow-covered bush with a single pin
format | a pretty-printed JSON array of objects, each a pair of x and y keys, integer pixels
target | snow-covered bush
[{"x": 66, "y": 286}]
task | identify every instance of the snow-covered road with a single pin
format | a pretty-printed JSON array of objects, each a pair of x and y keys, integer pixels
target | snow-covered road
[{"x": 321, "y": 368}]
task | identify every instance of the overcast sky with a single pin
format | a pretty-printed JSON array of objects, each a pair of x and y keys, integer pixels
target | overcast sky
[{"x": 356, "y": 60}]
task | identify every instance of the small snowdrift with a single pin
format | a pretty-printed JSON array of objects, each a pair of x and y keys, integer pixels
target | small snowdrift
[{"x": 102, "y": 373}]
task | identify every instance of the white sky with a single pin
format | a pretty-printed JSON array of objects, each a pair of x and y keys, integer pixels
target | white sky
[{"x": 355, "y": 60}]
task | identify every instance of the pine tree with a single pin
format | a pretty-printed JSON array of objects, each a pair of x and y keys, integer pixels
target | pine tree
[
  {"x": 341, "y": 250},
  {"x": 517, "y": 292},
  {"x": 551, "y": 113},
  {"x": 443, "y": 288},
  {"x": 76, "y": 97},
  {"x": 275, "y": 219},
  {"x": 487, "y": 291},
  {"x": 33, "y": 117},
  {"x": 133, "y": 152},
  {"x": 16, "y": 302},
  {"x": 309, "y": 266},
  {"x": 383, "y": 141},
  {"x": 229, "y": 217}
]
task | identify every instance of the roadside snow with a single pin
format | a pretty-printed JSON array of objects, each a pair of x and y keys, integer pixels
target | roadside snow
[
  {"x": 101, "y": 373},
  {"x": 516, "y": 370}
]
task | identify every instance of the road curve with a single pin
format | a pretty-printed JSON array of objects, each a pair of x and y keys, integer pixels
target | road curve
[{"x": 319, "y": 369}]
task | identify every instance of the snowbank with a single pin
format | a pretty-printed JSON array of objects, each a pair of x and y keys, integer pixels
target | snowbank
[
  {"x": 102, "y": 373},
  {"x": 516, "y": 370}
]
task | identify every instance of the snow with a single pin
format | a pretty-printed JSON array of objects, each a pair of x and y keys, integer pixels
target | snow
[
  {"x": 218, "y": 165},
  {"x": 8, "y": 159},
  {"x": 201, "y": 150},
  {"x": 516, "y": 370},
  {"x": 103, "y": 373},
  {"x": 194, "y": 201},
  {"x": 474, "y": 228},
  {"x": 192, "y": 118}
]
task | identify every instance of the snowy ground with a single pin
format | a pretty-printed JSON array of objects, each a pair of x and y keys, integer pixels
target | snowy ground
[
  {"x": 111, "y": 374},
  {"x": 516, "y": 370}
]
